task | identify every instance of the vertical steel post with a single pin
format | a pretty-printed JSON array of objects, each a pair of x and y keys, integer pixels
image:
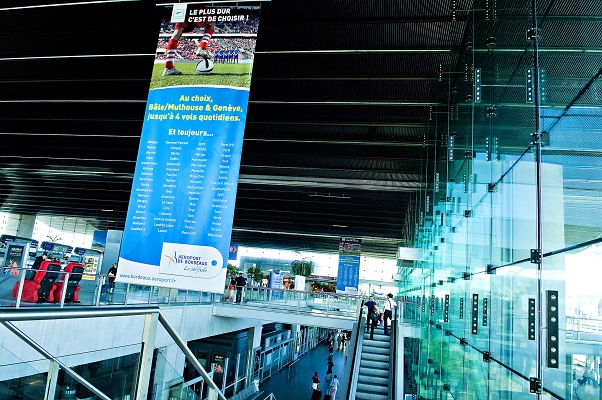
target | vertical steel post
[
  {"x": 127, "y": 291},
  {"x": 537, "y": 137},
  {"x": 236, "y": 371},
  {"x": 20, "y": 291},
  {"x": 146, "y": 355},
  {"x": 98, "y": 290},
  {"x": 53, "y": 374}
]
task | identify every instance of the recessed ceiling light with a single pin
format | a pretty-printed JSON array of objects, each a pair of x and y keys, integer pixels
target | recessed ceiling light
[{"x": 106, "y": 210}]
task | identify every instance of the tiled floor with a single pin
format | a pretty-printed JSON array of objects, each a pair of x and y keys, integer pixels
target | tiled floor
[{"x": 293, "y": 383}]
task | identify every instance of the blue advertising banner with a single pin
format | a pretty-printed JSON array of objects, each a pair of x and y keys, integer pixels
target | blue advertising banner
[
  {"x": 99, "y": 240},
  {"x": 233, "y": 253},
  {"x": 179, "y": 222},
  {"x": 275, "y": 281},
  {"x": 348, "y": 277}
]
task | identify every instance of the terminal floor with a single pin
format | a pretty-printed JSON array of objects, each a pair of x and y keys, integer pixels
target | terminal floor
[{"x": 293, "y": 383}]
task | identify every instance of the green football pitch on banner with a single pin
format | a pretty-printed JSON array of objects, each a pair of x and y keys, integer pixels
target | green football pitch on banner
[{"x": 238, "y": 75}]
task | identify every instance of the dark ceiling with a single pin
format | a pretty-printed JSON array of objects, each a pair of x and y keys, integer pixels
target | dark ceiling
[{"x": 349, "y": 105}]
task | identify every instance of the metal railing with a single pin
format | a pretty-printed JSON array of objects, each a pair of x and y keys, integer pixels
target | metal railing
[
  {"x": 576, "y": 325},
  {"x": 393, "y": 354},
  {"x": 358, "y": 331},
  {"x": 9, "y": 316},
  {"x": 93, "y": 292},
  {"x": 315, "y": 303}
]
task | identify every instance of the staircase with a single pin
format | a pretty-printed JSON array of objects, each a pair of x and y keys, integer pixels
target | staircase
[{"x": 373, "y": 379}]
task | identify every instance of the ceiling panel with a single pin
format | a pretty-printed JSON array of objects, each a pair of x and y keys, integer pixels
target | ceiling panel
[{"x": 351, "y": 104}]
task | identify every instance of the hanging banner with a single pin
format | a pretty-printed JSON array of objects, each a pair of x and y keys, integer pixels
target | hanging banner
[
  {"x": 99, "y": 240},
  {"x": 233, "y": 252},
  {"x": 348, "y": 277},
  {"x": 179, "y": 222}
]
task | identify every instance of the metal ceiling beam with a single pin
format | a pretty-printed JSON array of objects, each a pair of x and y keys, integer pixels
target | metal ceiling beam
[
  {"x": 331, "y": 123},
  {"x": 354, "y": 79},
  {"x": 314, "y": 182},
  {"x": 390, "y": 240},
  {"x": 485, "y": 49},
  {"x": 352, "y": 103},
  {"x": 345, "y": 142},
  {"x": 422, "y": 19}
]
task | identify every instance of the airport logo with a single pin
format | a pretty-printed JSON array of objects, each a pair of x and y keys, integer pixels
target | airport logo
[
  {"x": 190, "y": 260},
  {"x": 171, "y": 259},
  {"x": 178, "y": 13}
]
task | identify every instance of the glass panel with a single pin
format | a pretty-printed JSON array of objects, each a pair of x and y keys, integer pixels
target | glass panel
[
  {"x": 168, "y": 383},
  {"x": 115, "y": 377},
  {"x": 21, "y": 379},
  {"x": 475, "y": 290}
]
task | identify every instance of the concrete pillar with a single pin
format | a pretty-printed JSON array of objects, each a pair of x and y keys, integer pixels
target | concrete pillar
[
  {"x": 297, "y": 337},
  {"x": 253, "y": 342},
  {"x": 26, "y": 225},
  {"x": 254, "y": 337},
  {"x": 53, "y": 373},
  {"x": 151, "y": 322},
  {"x": 112, "y": 247}
]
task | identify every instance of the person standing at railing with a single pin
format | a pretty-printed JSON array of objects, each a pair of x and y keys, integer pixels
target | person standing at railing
[
  {"x": 388, "y": 311},
  {"x": 112, "y": 274},
  {"x": 241, "y": 282}
]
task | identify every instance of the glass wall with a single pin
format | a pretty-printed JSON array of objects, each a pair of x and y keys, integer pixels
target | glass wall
[{"x": 507, "y": 287}]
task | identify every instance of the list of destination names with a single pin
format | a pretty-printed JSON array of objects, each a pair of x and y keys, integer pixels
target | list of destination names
[{"x": 170, "y": 189}]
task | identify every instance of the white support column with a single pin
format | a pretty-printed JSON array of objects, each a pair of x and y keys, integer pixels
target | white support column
[
  {"x": 295, "y": 335},
  {"x": 146, "y": 358},
  {"x": 253, "y": 342},
  {"x": 53, "y": 374},
  {"x": 399, "y": 367},
  {"x": 26, "y": 225}
]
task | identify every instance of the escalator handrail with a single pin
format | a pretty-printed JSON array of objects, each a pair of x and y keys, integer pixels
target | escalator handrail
[
  {"x": 393, "y": 355},
  {"x": 354, "y": 375}
]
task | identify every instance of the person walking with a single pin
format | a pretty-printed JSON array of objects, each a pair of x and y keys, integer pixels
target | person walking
[
  {"x": 575, "y": 387},
  {"x": 339, "y": 341},
  {"x": 315, "y": 386},
  {"x": 334, "y": 386},
  {"x": 329, "y": 366}
]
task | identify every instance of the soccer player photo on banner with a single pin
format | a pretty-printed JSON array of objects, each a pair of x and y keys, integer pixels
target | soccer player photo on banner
[{"x": 179, "y": 222}]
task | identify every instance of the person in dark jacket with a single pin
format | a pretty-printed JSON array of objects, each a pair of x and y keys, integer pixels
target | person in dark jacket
[
  {"x": 241, "y": 282},
  {"x": 370, "y": 305},
  {"x": 29, "y": 274},
  {"x": 112, "y": 274}
]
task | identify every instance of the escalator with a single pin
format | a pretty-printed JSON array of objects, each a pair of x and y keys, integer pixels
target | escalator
[
  {"x": 373, "y": 378},
  {"x": 372, "y": 370}
]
